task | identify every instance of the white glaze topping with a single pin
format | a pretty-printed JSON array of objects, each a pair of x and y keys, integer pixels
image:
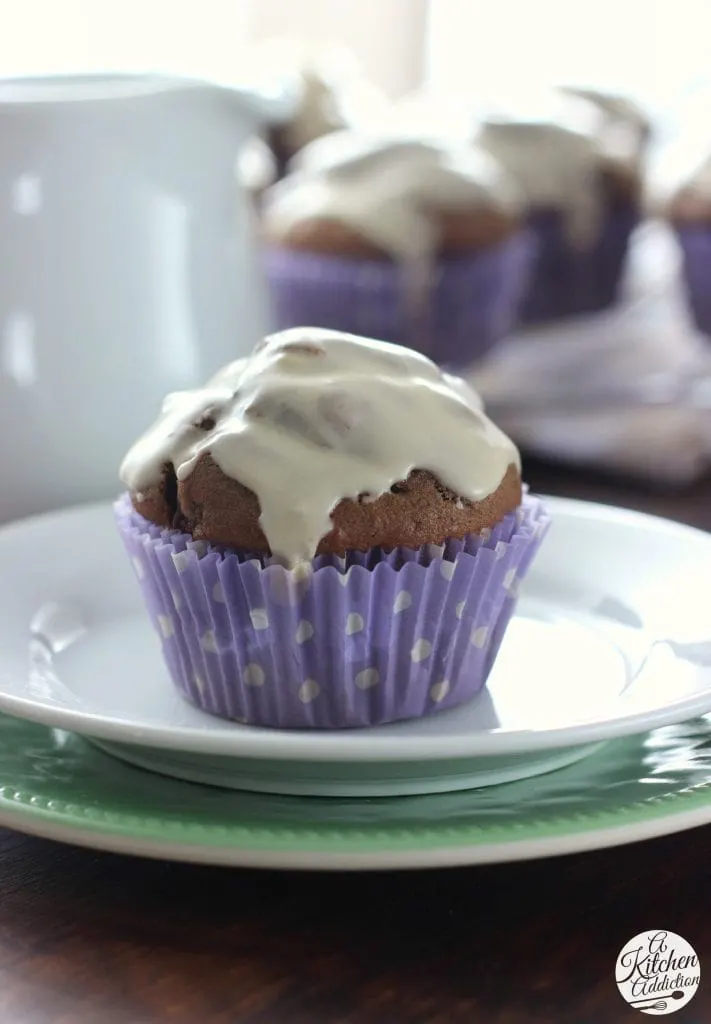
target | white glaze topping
[
  {"x": 554, "y": 165},
  {"x": 314, "y": 416},
  {"x": 621, "y": 127},
  {"x": 554, "y": 142},
  {"x": 611, "y": 105},
  {"x": 386, "y": 189}
]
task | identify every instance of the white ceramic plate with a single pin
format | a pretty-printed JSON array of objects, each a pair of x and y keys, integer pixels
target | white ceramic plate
[{"x": 612, "y": 637}]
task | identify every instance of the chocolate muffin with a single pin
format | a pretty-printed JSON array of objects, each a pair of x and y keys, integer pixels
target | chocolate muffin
[
  {"x": 333, "y": 515},
  {"x": 412, "y": 240}
]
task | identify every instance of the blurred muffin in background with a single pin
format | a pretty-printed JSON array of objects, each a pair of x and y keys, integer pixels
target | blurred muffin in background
[
  {"x": 414, "y": 241},
  {"x": 330, "y": 90},
  {"x": 689, "y": 212},
  {"x": 577, "y": 158}
]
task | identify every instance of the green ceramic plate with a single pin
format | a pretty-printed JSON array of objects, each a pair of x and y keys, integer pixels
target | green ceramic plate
[{"x": 55, "y": 784}]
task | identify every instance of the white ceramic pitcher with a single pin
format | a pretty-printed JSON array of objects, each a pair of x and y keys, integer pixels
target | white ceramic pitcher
[{"x": 127, "y": 268}]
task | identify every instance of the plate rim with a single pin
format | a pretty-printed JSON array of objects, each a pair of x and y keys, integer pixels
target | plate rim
[
  {"x": 387, "y": 847},
  {"x": 328, "y": 745},
  {"x": 428, "y": 858}
]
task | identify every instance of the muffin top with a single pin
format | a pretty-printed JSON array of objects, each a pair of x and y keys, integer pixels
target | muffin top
[
  {"x": 401, "y": 196},
  {"x": 563, "y": 148},
  {"x": 324, "y": 442},
  {"x": 620, "y": 125},
  {"x": 554, "y": 161}
]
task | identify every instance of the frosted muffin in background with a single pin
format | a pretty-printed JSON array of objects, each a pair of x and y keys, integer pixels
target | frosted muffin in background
[
  {"x": 577, "y": 156},
  {"x": 579, "y": 169},
  {"x": 412, "y": 240}
]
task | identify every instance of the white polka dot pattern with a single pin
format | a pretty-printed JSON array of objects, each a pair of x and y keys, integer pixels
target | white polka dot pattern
[
  {"x": 368, "y": 678},
  {"x": 354, "y": 624},
  {"x": 421, "y": 650},
  {"x": 402, "y": 601},
  {"x": 304, "y": 631},
  {"x": 392, "y": 644},
  {"x": 165, "y": 625},
  {"x": 253, "y": 675},
  {"x": 438, "y": 691},
  {"x": 479, "y": 635},
  {"x": 308, "y": 691},
  {"x": 208, "y": 642}
]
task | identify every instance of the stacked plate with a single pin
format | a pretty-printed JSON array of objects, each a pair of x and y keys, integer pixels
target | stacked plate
[{"x": 571, "y": 746}]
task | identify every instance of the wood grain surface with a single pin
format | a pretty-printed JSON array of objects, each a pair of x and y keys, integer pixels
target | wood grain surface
[{"x": 88, "y": 938}]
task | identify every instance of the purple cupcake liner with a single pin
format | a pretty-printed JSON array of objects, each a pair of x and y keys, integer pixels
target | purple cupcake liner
[
  {"x": 569, "y": 282},
  {"x": 473, "y": 302},
  {"x": 371, "y": 638},
  {"x": 695, "y": 243}
]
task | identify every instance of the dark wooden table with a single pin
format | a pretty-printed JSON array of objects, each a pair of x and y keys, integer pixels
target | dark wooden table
[{"x": 91, "y": 938}]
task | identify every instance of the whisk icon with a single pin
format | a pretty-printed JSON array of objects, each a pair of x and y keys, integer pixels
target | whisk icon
[{"x": 650, "y": 1003}]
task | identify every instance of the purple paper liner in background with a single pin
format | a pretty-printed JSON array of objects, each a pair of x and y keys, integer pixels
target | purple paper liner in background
[
  {"x": 336, "y": 643},
  {"x": 474, "y": 301},
  {"x": 695, "y": 242},
  {"x": 567, "y": 281}
]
